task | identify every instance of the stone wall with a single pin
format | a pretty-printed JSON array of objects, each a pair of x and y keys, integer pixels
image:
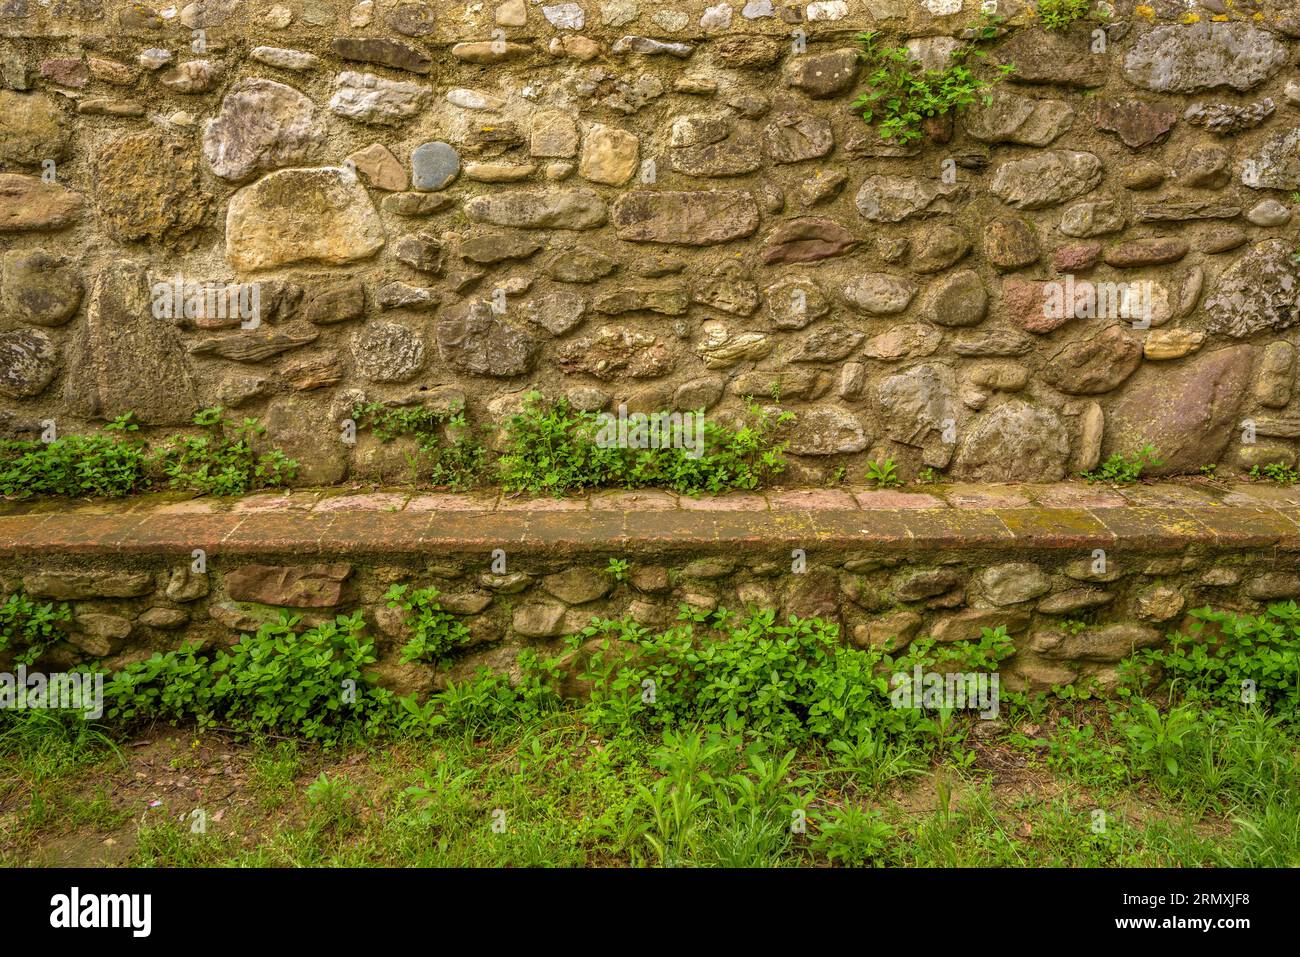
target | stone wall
[
  {"x": 668, "y": 205},
  {"x": 1069, "y": 621}
]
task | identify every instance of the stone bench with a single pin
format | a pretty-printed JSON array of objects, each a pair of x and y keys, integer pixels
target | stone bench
[{"x": 889, "y": 566}]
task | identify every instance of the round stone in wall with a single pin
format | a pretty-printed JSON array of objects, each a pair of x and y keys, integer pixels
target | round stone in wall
[
  {"x": 32, "y": 129},
  {"x": 433, "y": 166},
  {"x": 37, "y": 288},
  {"x": 1269, "y": 212},
  {"x": 28, "y": 363}
]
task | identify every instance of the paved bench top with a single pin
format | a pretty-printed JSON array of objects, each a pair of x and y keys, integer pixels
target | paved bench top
[{"x": 1067, "y": 515}]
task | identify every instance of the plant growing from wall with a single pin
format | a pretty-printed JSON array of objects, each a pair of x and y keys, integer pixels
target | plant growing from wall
[
  {"x": 902, "y": 94},
  {"x": 883, "y": 474},
  {"x": 31, "y": 626},
  {"x": 1060, "y": 14},
  {"x": 435, "y": 633},
  {"x": 1278, "y": 472},
  {"x": 552, "y": 447},
  {"x": 1124, "y": 469},
  {"x": 221, "y": 459},
  {"x": 447, "y": 452},
  {"x": 111, "y": 464}
]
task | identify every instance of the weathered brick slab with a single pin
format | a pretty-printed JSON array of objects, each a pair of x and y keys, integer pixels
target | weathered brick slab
[{"x": 1157, "y": 517}]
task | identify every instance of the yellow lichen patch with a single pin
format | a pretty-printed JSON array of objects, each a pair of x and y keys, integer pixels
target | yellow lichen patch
[{"x": 1142, "y": 10}]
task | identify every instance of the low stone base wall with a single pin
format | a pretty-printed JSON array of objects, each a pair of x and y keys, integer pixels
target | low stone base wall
[{"x": 1079, "y": 576}]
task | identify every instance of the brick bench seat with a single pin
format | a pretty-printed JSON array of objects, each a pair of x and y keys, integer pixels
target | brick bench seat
[
  {"x": 1080, "y": 576},
  {"x": 315, "y": 522}
]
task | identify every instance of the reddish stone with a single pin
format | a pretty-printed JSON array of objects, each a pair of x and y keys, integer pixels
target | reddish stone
[
  {"x": 1189, "y": 412},
  {"x": 734, "y": 502},
  {"x": 633, "y": 501},
  {"x": 881, "y": 498},
  {"x": 310, "y": 586},
  {"x": 369, "y": 502},
  {"x": 807, "y": 240},
  {"x": 277, "y": 501},
  {"x": 450, "y": 502},
  {"x": 1076, "y": 257},
  {"x": 66, "y": 71},
  {"x": 1136, "y": 123},
  {"x": 1030, "y": 305},
  {"x": 815, "y": 498},
  {"x": 1146, "y": 252},
  {"x": 1166, "y": 496},
  {"x": 986, "y": 496},
  {"x": 522, "y": 504},
  {"x": 1077, "y": 496}
]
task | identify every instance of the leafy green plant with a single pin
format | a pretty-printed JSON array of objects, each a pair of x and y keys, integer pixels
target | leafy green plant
[
  {"x": 1079, "y": 751},
  {"x": 328, "y": 792},
  {"x": 993, "y": 646},
  {"x": 617, "y": 569},
  {"x": 1125, "y": 469},
  {"x": 1231, "y": 659},
  {"x": 927, "y": 476},
  {"x": 854, "y": 836},
  {"x": 435, "y": 633},
  {"x": 221, "y": 460},
  {"x": 902, "y": 94},
  {"x": 31, "y": 626},
  {"x": 1059, "y": 14},
  {"x": 552, "y": 447},
  {"x": 276, "y": 680},
  {"x": 440, "y": 790},
  {"x": 1210, "y": 471},
  {"x": 447, "y": 451},
  {"x": 492, "y": 700},
  {"x": 883, "y": 474},
  {"x": 1159, "y": 740},
  {"x": 788, "y": 681},
  {"x": 110, "y": 465},
  {"x": 873, "y": 761},
  {"x": 1278, "y": 472}
]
